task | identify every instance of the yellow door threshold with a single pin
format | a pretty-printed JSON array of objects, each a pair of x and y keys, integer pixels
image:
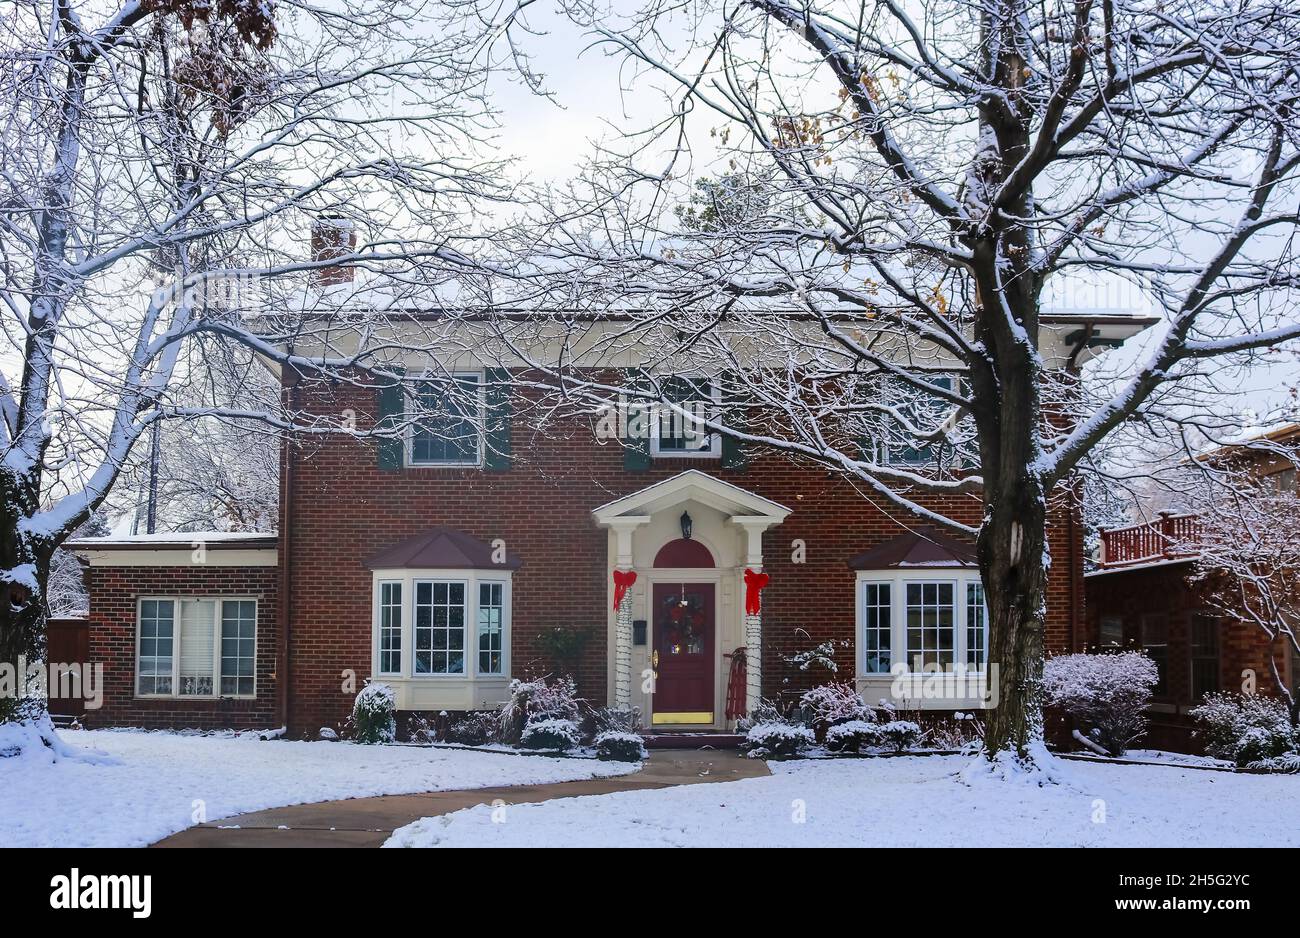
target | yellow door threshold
[{"x": 693, "y": 718}]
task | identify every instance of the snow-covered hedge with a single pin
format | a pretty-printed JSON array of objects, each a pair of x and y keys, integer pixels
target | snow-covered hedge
[
  {"x": 853, "y": 736},
  {"x": 1253, "y": 731},
  {"x": 900, "y": 735},
  {"x": 835, "y": 703},
  {"x": 618, "y": 746},
  {"x": 777, "y": 740},
  {"x": 557, "y": 735},
  {"x": 1106, "y": 696},
  {"x": 373, "y": 714}
]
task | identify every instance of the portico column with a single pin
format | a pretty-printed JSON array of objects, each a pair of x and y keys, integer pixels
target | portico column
[
  {"x": 623, "y": 560},
  {"x": 754, "y": 526}
]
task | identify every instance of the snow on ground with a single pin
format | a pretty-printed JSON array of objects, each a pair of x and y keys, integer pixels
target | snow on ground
[
  {"x": 900, "y": 802},
  {"x": 157, "y": 781}
]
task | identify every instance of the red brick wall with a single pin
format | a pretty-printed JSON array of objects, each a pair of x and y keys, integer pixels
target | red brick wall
[
  {"x": 1131, "y": 594},
  {"x": 113, "y": 595},
  {"x": 345, "y": 509}
]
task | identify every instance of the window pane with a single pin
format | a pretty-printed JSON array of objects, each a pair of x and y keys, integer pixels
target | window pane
[
  {"x": 439, "y": 628},
  {"x": 238, "y": 645},
  {"x": 686, "y": 432},
  {"x": 931, "y": 624},
  {"x": 154, "y": 667},
  {"x": 1205, "y": 655},
  {"x": 490, "y": 598},
  {"x": 1155, "y": 642},
  {"x": 196, "y": 647},
  {"x": 1110, "y": 633},
  {"x": 876, "y": 624},
  {"x": 390, "y": 628},
  {"x": 976, "y": 627},
  {"x": 447, "y": 428}
]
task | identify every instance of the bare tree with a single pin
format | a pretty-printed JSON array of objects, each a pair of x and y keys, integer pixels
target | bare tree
[
  {"x": 939, "y": 170},
  {"x": 161, "y": 162}
]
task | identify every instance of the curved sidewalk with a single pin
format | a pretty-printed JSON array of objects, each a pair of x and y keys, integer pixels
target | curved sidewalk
[{"x": 368, "y": 822}]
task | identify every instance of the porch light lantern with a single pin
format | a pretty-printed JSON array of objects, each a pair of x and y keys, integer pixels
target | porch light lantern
[{"x": 686, "y": 526}]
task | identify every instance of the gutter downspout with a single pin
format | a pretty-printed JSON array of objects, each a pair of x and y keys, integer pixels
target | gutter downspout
[{"x": 289, "y": 397}]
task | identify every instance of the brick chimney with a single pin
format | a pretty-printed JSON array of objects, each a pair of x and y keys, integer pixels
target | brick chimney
[{"x": 332, "y": 236}]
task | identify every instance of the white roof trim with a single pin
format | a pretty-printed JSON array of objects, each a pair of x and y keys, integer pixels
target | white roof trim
[{"x": 691, "y": 485}]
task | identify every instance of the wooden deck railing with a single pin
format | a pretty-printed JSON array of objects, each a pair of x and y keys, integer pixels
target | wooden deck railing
[{"x": 1168, "y": 537}]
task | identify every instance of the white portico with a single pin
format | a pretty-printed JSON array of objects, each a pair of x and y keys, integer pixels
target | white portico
[{"x": 689, "y": 540}]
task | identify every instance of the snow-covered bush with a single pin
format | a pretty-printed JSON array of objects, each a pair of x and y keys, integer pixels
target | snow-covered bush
[
  {"x": 777, "y": 740},
  {"x": 853, "y": 736},
  {"x": 557, "y": 735},
  {"x": 373, "y": 714},
  {"x": 535, "y": 700},
  {"x": 328, "y": 734},
  {"x": 767, "y": 711},
  {"x": 960, "y": 731},
  {"x": 618, "y": 746},
  {"x": 900, "y": 735},
  {"x": 834, "y": 703},
  {"x": 477, "y": 728},
  {"x": 1253, "y": 731},
  {"x": 1105, "y": 695}
]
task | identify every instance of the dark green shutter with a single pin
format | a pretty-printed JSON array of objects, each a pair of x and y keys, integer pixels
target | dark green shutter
[
  {"x": 392, "y": 406},
  {"x": 497, "y": 436},
  {"x": 636, "y": 451},
  {"x": 735, "y": 453}
]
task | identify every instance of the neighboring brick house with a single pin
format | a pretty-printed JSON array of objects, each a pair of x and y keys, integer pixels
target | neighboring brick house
[
  {"x": 1146, "y": 593},
  {"x": 443, "y": 567}
]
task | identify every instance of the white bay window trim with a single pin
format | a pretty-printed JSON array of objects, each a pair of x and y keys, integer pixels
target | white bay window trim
[
  {"x": 464, "y": 689},
  {"x": 875, "y": 684},
  {"x": 203, "y": 658}
]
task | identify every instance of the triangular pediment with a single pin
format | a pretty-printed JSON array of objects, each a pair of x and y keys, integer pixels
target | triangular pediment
[{"x": 692, "y": 486}]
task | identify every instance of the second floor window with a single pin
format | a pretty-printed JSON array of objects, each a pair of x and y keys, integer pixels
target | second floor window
[
  {"x": 448, "y": 422},
  {"x": 682, "y": 432}
]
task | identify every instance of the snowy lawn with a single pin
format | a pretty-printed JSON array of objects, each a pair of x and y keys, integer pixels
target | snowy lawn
[
  {"x": 901, "y": 802},
  {"x": 151, "y": 786}
]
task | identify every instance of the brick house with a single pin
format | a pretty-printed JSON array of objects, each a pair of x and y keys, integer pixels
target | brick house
[
  {"x": 1143, "y": 594},
  {"x": 445, "y": 564}
]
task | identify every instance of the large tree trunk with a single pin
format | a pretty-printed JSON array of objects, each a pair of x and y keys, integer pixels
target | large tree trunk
[
  {"x": 22, "y": 609},
  {"x": 1011, "y": 555}
]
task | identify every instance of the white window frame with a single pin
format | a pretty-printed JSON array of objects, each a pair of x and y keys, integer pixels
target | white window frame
[
  {"x": 954, "y": 383},
  {"x": 715, "y": 442},
  {"x": 379, "y": 625},
  {"x": 471, "y": 579},
  {"x": 217, "y": 603},
  {"x": 897, "y": 580},
  {"x": 408, "y": 437}
]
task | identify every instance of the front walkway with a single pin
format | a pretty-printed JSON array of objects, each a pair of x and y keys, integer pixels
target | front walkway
[{"x": 368, "y": 822}]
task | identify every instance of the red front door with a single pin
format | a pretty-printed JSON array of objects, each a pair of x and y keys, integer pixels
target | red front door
[{"x": 683, "y": 649}]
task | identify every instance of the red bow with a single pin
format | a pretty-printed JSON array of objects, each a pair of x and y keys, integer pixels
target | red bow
[
  {"x": 754, "y": 583},
  {"x": 622, "y": 580}
]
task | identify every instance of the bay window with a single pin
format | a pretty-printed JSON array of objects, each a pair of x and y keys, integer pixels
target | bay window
[
  {"x": 922, "y": 620},
  {"x": 439, "y": 625},
  {"x": 196, "y": 647}
]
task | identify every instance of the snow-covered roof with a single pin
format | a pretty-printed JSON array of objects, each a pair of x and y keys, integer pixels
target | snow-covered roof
[{"x": 176, "y": 539}]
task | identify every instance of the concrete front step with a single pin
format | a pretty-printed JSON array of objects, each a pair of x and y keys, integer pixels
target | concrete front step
[{"x": 692, "y": 740}]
